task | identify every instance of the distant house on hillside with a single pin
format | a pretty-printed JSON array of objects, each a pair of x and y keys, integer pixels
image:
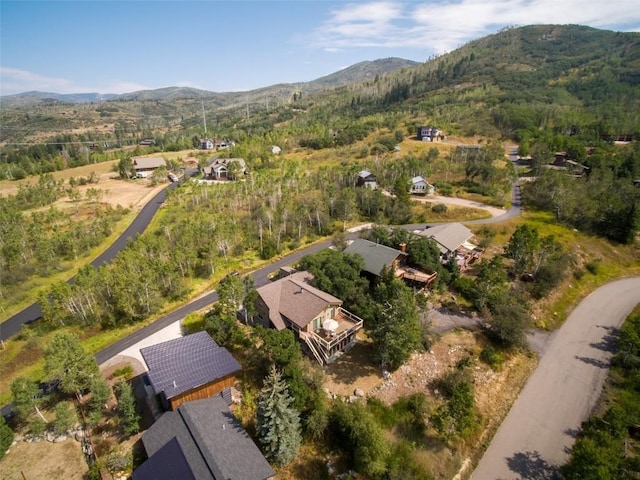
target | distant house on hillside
[
  {"x": 317, "y": 318},
  {"x": 201, "y": 440},
  {"x": 207, "y": 144},
  {"x": 429, "y": 134},
  {"x": 224, "y": 168},
  {"x": 367, "y": 179},
  {"x": 189, "y": 368},
  {"x": 419, "y": 186},
  {"x": 562, "y": 161}
]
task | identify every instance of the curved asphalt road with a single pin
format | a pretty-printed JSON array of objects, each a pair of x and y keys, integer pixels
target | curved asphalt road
[
  {"x": 537, "y": 434},
  {"x": 33, "y": 312}
]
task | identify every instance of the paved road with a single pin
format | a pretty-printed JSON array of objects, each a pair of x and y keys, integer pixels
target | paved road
[
  {"x": 260, "y": 277},
  {"x": 12, "y": 326},
  {"x": 538, "y": 432}
]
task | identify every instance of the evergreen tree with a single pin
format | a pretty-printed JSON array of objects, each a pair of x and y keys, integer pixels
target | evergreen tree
[
  {"x": 64, "y": 417},
  {"x": 6, "y": 437},
  {"x": 278, "y": 424},
  {"x": 129, "y": 418},
  {"x": 100, "y": 393}
]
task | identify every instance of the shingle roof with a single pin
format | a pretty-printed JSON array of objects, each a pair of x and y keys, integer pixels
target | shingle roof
[
  {"x": 295, "y": 299},
  {"x": 418, "y": 179},
  {"x": 182, "y": 364},
  {"x": 151, "y": 162},
  {"x": 448, "y": 236},
  {"x": 364, "y": 174},
  {"x": 375, "y": 255},
  {"x": 167, "y": 463},
  {"x": 213, "y": 442}
]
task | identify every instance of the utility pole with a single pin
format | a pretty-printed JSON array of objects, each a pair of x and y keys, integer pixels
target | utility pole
[{"x": 204, "y": 120}]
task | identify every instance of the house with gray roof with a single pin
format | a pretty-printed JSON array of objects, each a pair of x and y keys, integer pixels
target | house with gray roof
[
  {"x": 224, "y": 168},
  {"x": 201, "y": 440},
  {"x": 376, "y": 256},
  {"x": 420, "y": 186},
  {"x": 454, "y": 241},
  {"x": 189, "y": 368},
  {"x": 317, "y": 318},
  {"x": 367, "y": 179}
]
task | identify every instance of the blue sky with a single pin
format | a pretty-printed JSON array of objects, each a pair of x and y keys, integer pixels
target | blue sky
[{"x": 124, "y": 46}]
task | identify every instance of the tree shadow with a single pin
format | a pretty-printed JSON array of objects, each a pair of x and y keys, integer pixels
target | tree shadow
[
  {"x": 572, "y": 432},
  {"x": 593, "y": 361},
  {"x": 531, "y": 466},
  {"x": 609, "y": 342}
]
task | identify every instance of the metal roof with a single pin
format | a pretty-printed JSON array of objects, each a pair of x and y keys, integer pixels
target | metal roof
[
  {"x": 448, "y": 236},
  {"x": 184, "y": 363},
  {"x": 376, "y": 256}
]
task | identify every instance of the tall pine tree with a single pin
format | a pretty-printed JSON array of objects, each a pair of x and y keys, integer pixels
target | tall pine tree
[{"x": 278, "y": 423}]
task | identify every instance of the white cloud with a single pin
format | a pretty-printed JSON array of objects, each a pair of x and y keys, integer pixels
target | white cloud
[
  {"x": 440, "y": 26},
  {"x": 14, "y": 80}
]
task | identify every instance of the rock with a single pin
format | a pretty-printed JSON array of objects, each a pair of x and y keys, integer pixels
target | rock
[
  {"x": 49, "y": 437},
  {"x": 60, "y": 439},
  {"x": 358, "y": 392},
  {"x": 353, "y": 399}
]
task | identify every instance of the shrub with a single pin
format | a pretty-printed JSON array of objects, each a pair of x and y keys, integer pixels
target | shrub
[
  {"x": 593, "y": 267},
  {"x": 439, "y": 208},
  {"x": 492, "y": 357},
  {"x": 6, "y": 437}
]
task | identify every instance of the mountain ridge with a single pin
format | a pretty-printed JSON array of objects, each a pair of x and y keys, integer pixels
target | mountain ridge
[{"x": 354, "y": 73}]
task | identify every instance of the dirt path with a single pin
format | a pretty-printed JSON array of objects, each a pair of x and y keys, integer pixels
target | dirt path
[
  {"x": 536, "y": 436},
  {"x": 494, "y": 211}
]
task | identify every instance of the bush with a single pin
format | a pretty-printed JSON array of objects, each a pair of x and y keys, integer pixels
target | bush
[
  {"x": 593, "y": 267},
  {"x": 6, "y": 437},
  {"x": 492, "y": 357},
  {"x": 439, "y": 208},
  {"x": 444, "y": 188}
]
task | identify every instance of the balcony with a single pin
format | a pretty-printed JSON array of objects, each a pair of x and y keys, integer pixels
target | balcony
[{"x": 327, "y": 346}]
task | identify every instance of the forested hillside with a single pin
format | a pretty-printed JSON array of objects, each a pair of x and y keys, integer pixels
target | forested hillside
[{"x": 517, "y": 84}]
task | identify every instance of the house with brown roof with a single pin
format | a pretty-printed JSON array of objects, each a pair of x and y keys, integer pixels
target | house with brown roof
[
  {"x": 317, "y": 318},
  {"x": 189, "y": 368},
  {"x": 147, "y": 164}
]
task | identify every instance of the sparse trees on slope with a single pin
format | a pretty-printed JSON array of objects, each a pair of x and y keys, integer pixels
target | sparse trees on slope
[{"x": 278, "y": 424}]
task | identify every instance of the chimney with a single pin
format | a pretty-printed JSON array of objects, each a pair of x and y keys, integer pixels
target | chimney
[{"x": 403, "y": 247}]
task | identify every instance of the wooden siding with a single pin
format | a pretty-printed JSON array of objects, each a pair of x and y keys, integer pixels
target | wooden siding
[{"x": 205, "y": 391}]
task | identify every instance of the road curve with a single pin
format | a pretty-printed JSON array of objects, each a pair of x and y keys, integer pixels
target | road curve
[
  {"x": 33, "y": 312},
  {"x": 537, "y": 434}
]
